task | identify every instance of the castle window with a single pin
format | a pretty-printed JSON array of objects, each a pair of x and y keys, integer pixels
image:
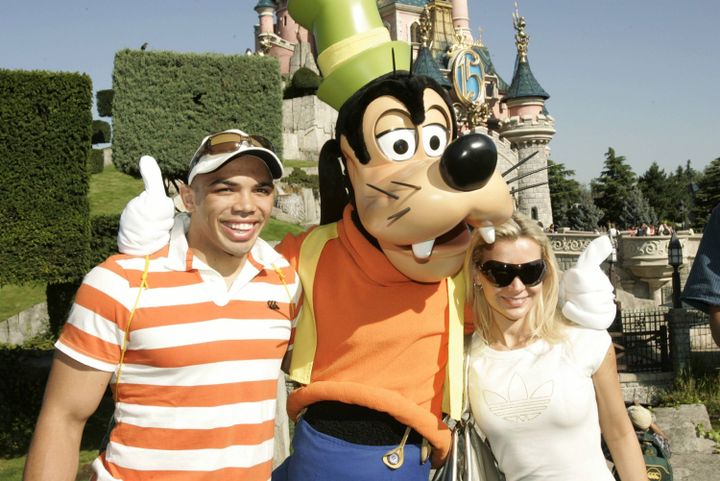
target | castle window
[
  {"x": 534, "y": 213},
  {"x": 415, "y": 33}
]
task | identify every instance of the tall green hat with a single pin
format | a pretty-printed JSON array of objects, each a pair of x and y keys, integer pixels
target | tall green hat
[{"x": 353, "y": 46}]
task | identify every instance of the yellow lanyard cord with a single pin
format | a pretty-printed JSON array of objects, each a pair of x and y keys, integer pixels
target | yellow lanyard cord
[
  {"x": 287, "y": 291},
  {"x": 143, "y": 285}
]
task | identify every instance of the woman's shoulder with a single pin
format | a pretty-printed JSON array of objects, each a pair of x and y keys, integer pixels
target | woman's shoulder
[{"x": 588, "y": 346}]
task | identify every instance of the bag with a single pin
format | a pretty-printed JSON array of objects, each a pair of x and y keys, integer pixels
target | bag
[
  {"x": 655, "y": 454},
  {"x": 470, "y": 458}
]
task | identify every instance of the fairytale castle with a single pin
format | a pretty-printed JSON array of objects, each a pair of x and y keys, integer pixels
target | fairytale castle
[{"x": 444, "y": 48}]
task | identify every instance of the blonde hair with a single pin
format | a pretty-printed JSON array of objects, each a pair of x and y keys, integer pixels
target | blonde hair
[{"x": 544, "y": 319}]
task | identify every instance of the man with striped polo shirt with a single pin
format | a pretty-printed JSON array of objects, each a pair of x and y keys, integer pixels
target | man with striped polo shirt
[{"x": 190, "y": 338}]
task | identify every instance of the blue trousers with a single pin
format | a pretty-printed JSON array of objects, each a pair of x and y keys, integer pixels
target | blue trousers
[{"x": 319, "y": 457}]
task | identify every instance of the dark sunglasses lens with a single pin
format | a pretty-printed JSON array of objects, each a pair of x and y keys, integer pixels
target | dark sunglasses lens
[
  {"x": 500, "y": 274},
  {"x": 532, "y": 273}
]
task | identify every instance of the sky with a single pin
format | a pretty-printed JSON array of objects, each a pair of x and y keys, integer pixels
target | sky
[{"x": 640, "y": 76}]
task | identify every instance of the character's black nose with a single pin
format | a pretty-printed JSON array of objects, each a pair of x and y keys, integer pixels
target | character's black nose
[{"x": 469, "y": 162}]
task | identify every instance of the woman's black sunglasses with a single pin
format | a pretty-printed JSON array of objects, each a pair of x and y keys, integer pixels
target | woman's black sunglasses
[{"x": 502, "y": 274}]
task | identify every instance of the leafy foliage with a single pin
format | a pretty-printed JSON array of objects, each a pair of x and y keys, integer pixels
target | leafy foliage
[
  {"x": 301, "y": 178},
  {"x": 708, "y": 194},
  {"x": 636, "y": 210},
  {"x": 104, "y": 99},
  {"x": 166, "y": 102},
  {"x": 564, "y": 193},
  {"x": 304, "y": 82},
  {"x": 96, "y": 161},
  {"x": 655, "y": 186},
  {"x": 101, "y": 132},
  {"x": 584, "y": 214},
  {"x": 45, "y": 130},
  {"x": 611, "y": 187}
]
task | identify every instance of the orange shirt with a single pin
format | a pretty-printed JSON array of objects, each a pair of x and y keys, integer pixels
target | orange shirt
[{"x": 381, "y": 337}]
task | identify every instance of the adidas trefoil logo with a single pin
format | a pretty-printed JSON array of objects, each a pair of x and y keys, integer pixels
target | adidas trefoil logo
[{"x": 518, "y": 406}]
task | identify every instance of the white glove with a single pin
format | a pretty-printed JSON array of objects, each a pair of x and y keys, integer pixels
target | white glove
[
  {"x": 586, "y": 294},
  {"x": 146, "y": 220}
]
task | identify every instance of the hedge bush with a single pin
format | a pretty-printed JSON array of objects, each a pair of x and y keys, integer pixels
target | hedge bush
[
  {"x": 96, "y": 161},
  {"x": 45, "y": 130},
  {"x": 60, "y": 296},
  {"x": 166, "y": 102},
  {"x": 304, "y": 82},
  {"x": 20, "y": 396},
  {"x": 103, "y": 101},
  {"x": 101, "y": 132}
]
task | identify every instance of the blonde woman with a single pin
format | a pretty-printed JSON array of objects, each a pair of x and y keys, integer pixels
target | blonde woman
[{"x": 542, "y": 389}]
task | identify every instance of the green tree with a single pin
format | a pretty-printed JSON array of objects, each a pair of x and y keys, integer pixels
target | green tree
[
  {"x": 636, "y": 210},
  {"x": 682, "y": 185},
  {"x": 708, "y": 193},
  {"x": 611, "y": 190},
  {"x": 564, "y": 192},
  {"x": 584, "y": 214},
  {"x": 654, "y": 184}
]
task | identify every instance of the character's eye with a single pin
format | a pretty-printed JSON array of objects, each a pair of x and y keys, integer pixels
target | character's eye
[
  {"x": 435, "y": 138},
  {"x": 398, "y": 144}
]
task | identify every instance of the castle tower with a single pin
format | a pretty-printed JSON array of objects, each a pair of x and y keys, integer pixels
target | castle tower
[
  {"x": 278, "y": 35},
  {"x": 529, "y": 129},
  {"x": 461, "y": 18}
]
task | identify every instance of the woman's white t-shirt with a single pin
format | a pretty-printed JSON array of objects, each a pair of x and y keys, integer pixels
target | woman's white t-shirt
[{"x": 537, "y": 406}]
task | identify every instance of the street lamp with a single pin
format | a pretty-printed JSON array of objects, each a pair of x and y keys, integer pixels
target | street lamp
[{"x": 675, "y": 259}]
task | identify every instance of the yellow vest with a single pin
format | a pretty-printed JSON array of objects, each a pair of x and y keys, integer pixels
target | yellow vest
[{"x": 305, "y": 345}]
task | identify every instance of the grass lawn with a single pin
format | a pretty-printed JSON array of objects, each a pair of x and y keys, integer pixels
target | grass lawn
[
  {"x": 18, "y": 298},
  {"x": 110, "y": 190}
]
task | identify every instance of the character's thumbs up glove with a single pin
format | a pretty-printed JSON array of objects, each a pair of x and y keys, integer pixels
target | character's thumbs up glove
[
  {"x": 146, "y": 221},
  {"x": 586, "y": 294}
]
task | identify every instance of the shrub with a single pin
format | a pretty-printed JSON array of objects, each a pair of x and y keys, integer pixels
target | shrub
[
  {"x": 304, "y": 82},
  {"x": 20, "y": 395},
  {"x": 166, "y": 102},
  {"x": 302, "y": 179},
  {"x": 45, "y": 131},
  {"x": 103, "y": 101},
  {"x": 101, "y": 132},
  {"x": 96, "y": 161}
]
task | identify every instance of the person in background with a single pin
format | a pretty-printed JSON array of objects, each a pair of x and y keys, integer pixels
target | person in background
[
  {"x": 542, "y": 389},
  {"x": 190, "y": 338},
  {"x": 702, "y": 289}
]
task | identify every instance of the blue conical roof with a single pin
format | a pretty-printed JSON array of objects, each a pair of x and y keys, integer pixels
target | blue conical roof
[
  {"x": 424, "y": 64},
  {"x": 265, "y": 4},
  {"x": 524, "y": 83}
]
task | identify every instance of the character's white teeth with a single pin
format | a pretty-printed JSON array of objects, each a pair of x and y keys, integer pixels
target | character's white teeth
[
  {"x": 487, "y": 233},
  {"x": 422, "y": 250}
]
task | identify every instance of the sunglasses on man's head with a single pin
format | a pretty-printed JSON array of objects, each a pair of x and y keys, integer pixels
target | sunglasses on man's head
[
  {"x": 502, "y": 274},
  {"x": 225, "y": 142}
]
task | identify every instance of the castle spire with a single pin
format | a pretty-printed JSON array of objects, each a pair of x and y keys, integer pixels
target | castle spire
[{"x": 523, "y": 83}]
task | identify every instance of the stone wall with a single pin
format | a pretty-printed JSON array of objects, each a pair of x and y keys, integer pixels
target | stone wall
[
  {"x": 308, "y": 123},
  {"x": 24, "y": 326}
]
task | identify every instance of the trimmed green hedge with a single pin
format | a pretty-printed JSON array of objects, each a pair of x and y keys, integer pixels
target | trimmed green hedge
[
  {"x": 61, "y": 295},
  {"x": 305, "y": 82},
  {"x": 166, "y": 102},
  {"x": 20, "y": 395},
  {"x": 101, "y": 132},
  {"x": 104, "y": 99},
  {"x": 45, "y": 130},
  {"x": 96, "y": 161}
]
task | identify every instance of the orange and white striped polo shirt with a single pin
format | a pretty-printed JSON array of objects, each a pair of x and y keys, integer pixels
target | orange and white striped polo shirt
[{"x": 196, "y": 396}]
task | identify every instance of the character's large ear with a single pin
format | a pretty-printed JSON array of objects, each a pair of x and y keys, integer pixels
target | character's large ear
[{"x": 333, "y": 193}]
